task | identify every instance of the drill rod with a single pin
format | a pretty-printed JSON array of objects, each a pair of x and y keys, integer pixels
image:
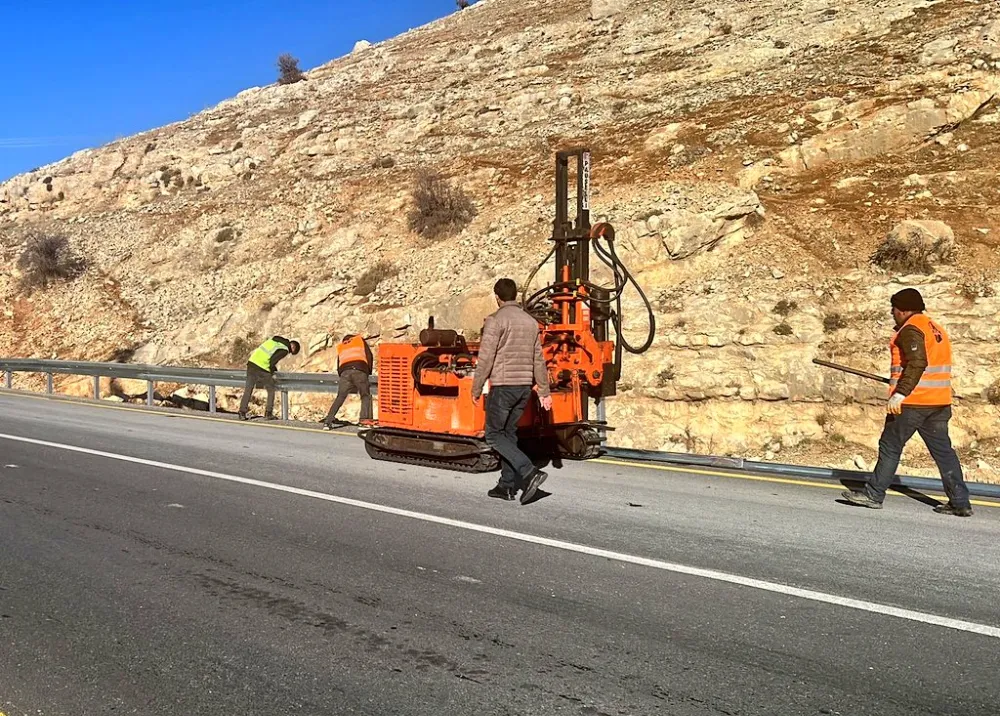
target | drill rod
[{"x": 852, "y": 371}]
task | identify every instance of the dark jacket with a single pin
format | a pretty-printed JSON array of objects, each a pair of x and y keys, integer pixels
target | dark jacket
[
  {"x": 510, "y": 352},
  {"x": 910, "y": 341},
  {"x": 281, "y": 352}
]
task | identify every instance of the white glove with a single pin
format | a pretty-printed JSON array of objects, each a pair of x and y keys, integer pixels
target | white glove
[{"x": 895, "y": 406}]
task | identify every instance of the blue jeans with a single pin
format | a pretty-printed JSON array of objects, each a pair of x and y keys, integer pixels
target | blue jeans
[
  {"x": 932, "y": 425},
  {"x": 505, "y": 405}
]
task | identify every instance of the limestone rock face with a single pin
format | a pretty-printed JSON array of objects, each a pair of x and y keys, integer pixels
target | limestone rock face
[{"x": 751, "y": 159}]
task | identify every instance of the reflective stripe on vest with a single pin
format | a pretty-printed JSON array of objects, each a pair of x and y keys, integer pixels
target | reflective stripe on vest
[
  {"x": 353, "y": 351},
  {"x": 262, "y": 356},
  {"x": 934, "y": 388}
]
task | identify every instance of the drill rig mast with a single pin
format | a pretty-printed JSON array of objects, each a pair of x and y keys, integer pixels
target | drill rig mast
[{"x": 426, "y": 412}]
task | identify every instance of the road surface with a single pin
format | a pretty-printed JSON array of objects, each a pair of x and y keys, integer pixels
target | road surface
[{"x": 181, "y": 565}]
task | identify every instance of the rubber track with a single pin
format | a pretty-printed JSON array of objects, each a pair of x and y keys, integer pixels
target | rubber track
[{"x": 484, "y": 461}]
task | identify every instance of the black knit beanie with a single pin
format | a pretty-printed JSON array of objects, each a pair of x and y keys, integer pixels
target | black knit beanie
[{"x": 909, "y": 299}]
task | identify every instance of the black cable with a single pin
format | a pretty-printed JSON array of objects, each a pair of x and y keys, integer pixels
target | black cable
[{"x": 524, "y": 288}]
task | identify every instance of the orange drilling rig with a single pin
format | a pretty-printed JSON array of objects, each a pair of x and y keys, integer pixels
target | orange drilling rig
[{"x": 426, "y": 414}]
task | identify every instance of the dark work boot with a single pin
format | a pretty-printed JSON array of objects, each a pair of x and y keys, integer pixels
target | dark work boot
[
  {"x": 860, "y": 498},
  {"x": 948, "y": 509},
  {"x": 531, "y": 487},
  {"x": 502, "y": 493},
  {"x": 242, "y": 416}
]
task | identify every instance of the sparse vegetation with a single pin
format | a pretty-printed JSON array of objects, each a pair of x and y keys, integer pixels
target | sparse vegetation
[
  {"x": 288, "y": 70},
  {"x": 900, "y": 256},
  {"x": 462, "y": 4},
  {"x": 123, "y": 354},
  {"x": 783, "y": 308},
  {"x": 978, "y": 287},
  {"x": 993, "y": 393},
  {"x": 783, "y": 329},
  {"x": 240, "y": 349},
  {"x": 371, "y": 278},
  {"x": 834, "y": 322},
  {"x": 665, "y": 376},
  {"x": 440, "y": 208},
  {"x": 48, "y": 258}
]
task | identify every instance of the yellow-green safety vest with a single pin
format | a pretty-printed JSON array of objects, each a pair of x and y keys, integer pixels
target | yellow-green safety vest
[{"x": 262, "y": 356}]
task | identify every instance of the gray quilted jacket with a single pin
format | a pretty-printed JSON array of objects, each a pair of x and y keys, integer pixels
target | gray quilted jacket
[{"x": 510, "y": 352}]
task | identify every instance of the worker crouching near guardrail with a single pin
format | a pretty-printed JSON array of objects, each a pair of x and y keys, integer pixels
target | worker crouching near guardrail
[
  {"x": 920, "y": 399},
  {"x": 261, "y": 367},
  {"x": 354, "y": 366}
]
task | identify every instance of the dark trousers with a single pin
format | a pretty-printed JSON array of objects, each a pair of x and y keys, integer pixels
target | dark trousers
[
  {"x": 258, "y": 377},
  {"x": 505, "y": 405},
  {"x": 352, "y": 381},
  {"x": 932, "y": 425}
]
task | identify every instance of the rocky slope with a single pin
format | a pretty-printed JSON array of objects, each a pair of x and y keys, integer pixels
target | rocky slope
[{"x": 752, "y": 155}]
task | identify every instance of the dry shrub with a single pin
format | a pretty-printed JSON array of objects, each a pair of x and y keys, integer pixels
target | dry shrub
[
  {"x": 240, "y": 350},
  {"x": 783, "y": 308},
  {"x": 48, "y": 258},
  {"x": 908, "y": 257},
  {"x": 371, "y": 278},
  {"x": 993, "y": 393},
  {"x": 288, "y": 70},
  {"x": 440, "y": 208},
  {"x": 783, "y": 329},
  {"x": 834, "y": 322}
]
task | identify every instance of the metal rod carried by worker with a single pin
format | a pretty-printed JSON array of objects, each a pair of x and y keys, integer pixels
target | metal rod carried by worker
[{"x": 852, "y": 371}]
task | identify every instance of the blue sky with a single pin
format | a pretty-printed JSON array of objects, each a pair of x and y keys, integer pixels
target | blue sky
[{"x": 81, "y": 73}]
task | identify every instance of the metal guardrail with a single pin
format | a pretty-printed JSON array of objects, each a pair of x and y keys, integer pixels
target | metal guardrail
[
  {"x": 328, "y": 382},
  {"x": 211, "y": 377}
]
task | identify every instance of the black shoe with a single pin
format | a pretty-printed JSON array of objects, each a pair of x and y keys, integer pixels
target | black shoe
[
  {"x": 242, "y": 416},
  {"x": 502, "y": 493},
  {"x": 953, "y": 511},
  {"x": 861, "y": 498},
  {"x": 537, "y": 478},
  {"x": 269, "y": 417}
]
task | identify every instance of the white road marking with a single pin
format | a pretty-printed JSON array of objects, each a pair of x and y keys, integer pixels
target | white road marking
[
  {"x": 718, "y": 576},
  {"x": 176, "y": 505}
]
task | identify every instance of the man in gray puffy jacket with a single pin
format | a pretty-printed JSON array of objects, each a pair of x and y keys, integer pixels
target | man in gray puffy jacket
[{"x": 510, "y": 357}]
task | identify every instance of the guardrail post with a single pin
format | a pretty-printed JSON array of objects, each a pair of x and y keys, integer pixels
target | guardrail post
[
  {"x": 211, "y": 399},
  {"x": 97, "y": 387},
  {"x": 284, "y": 405},
  {"x": 150, "y": 392},
  {"x": 9, "y": 379},
  {"x": 49, "y": 388}
]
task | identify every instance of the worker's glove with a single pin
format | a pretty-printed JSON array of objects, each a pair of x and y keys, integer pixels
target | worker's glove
[{"x": 895, "y": 406}]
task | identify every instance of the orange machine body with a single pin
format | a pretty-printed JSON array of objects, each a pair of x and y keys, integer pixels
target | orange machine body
[{"x": 427, "y": 415}]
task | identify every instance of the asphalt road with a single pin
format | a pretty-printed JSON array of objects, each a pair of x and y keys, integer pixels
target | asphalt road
[{"x": 131, "y": 588}]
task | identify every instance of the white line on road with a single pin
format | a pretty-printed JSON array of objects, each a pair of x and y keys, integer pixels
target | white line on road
[{"x": 823, "y": 597}]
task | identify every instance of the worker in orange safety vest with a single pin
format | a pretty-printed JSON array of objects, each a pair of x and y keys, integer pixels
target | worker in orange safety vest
[
  {"x": 920, "y": 399},
  {"x": 354, "y": 366}
]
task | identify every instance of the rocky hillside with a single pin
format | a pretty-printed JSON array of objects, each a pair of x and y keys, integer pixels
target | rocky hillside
[{"x": 754, "y": 156}]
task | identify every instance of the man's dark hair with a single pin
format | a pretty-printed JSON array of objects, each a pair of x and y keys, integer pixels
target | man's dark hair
[
  {"x": 294, "y": 347},
  {"x": 505, "y": 289}
]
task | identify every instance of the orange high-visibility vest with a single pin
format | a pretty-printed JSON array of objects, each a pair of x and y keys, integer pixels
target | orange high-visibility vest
[
  {"x": 352, "y": 351},
  {"x": 934, "y": 388}
]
